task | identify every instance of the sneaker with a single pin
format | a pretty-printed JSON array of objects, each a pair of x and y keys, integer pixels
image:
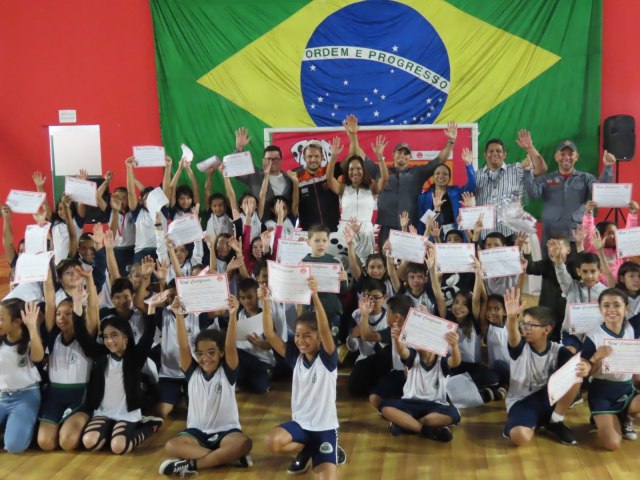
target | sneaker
[
  {"x": 561, "y": 432},
  {"x": 578, "y": 400},
  {"x": 301, "y": 463},
  {"x": 439, "y": 434},
  {"x": 175, "y": 466},
  {"x": 342, "y": 456},
  {"x": 155, "y": 421},
  {"x": 243, "y": 462},
  {"x": 486, "y": 394},
  {"x": 499, "y": 393},
  {"x": 395, "y": 429},
  {"x": 628, "y": 429}
]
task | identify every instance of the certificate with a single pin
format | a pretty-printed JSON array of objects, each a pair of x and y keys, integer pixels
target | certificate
[
  {"x": 500, "y": 262},
  {"x": 203, "y": 294},
  {"x": 149, "y": 156},
  {"x": 81, "y": 191},
  {"x": 250, "y": 325},
  {"x": 155, "y": 201},
  {"x": 35, "y": 238},
  {"x": 428, "y": 216},
  {"x": 584, "y": 317},
  {"x": 238, "y": 164},
  {"x": 327, "y": 275},
  {"x": 20, "y": 201},
  {"x": 628, "y": 242},
  {"x": 469, "y": 217},
  {"x": 407, "y": 246},
  {"x": 299, "y": 235},
  {"x": 185, "y": 229},
  {"x": 625, "y": 357},
  {"x": 563, "y": 379},
  {"x": 187, "y": 153},
  {"x": 612, "y": 194},
  {"x": 426, "y": 332},
  {"x": 289, "y": 283},
  {"x": 455, "y": 257},
  {"x": 291, "y": 252},
  {"x": 207, "y": 163},
  {"x": 32, "y": 267}
]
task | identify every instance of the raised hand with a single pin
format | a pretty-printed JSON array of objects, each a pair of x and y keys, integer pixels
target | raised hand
[
  {"x": 79, "y": 295},
  {"x": 108, "y": 176},
  {"x": 6, "y": 212},
  {"x": 598, "y": 241},
  {"x": 350, "y": 124},
  {"x": 131, "y": 162},
  {"x": 451, "y": 131},
  {"x": 266, "y": 241},
  {"x": 608, "y": 159},
  {"x": 430, "y": 258},
  {"x": 590, "y": 206},
  {"x": 404, "y": 220},
  {"x": 479, "y": 225},
  {"x": 526, "y": 163},
  {"x": 234, "y": 305},
  {"x": 413, "y": 230},
  {"x": 365, "y": 305},
  {"x": 38, "y": 179},
  {"x": 521, "y": 238},
  {"x": 97, "y": 236},
  {"x": 477, "y": 265},
  {"x": 395, "y": 331},
  {"x": 524, "y": 140},
  {"x": 313, "y": 285},
  {"x": 336, "y": 148},
  {"x": 467, "y": 156},
  {"x": 386, "y": 248},
  {"x": 379, "y": 146},
  {"x": 438, "y": 199},
  {"x": 266, "y": 166},
  {"x": 293, "y": 176},
  {"x": 348, "y": 235},
  {"x": 263, "y": 292},
  {"x": 452, "y": 338},
  {"x": 354, "y": 225},
  {"x": 162, "y": 269},
  {"x": 435, "y": 229},
  {"x": 234, "y": 264},
  {"x": 242, "y": 138},
  {"x": 235, "y": 245},
  {"x": 468, "y": 199},
  {"x": 512, "y": 304},
  {"x": 210, "y": 240},
  {"x": 30, "y": 315},
  {"x": 83, "y": 174},
  {"x": 579, "y": 235},
  {"x": 147, "y": 266}
]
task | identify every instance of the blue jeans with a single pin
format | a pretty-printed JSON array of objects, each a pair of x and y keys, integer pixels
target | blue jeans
[{"x": 20, "y": 409}]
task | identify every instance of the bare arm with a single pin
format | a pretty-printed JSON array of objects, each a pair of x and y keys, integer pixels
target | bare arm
[
  {"x": 230, "y": 348},
  {"x": 182, "y": 336},
  {"x": 478, "y": 290},
  {"x": 231, "y": 194},
  {"x": 451, "y": 132},
  {"x": 354, "y": 262},
  {"x": 131, "y": 186},
  {"x": 49, "y": 303},
  {"x": 174, "y": 183},
  {"x": 262, "y": 198},
  {"x": 30, "y": 320},
  {"x": 166, "y": 178},
  {"x": 401, "y": 348},
  {"x": 365, "y": 306},
  {"x": 435, "y": 283},
  {"x": 350, "y": 124},
  {"x": 378, "y": 148},
  {"x": 7, "y": 235},
  {"x": 335, "y": 186},
  {"x": 270, "y": 334},
  {"x": 39, "y": 181},
  {"x": 513, "y": 308},
  {"x": 455, "y": 359},
  {"x": 71, "y": 227},
  {"x": 295, "y": 193},
  {"x": 323, "y": 321},
  {"x": 102, "y": 205},
  {"x": 525, "y": 142}
]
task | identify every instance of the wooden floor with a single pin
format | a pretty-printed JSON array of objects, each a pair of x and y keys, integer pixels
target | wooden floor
[{"x": 477, "y": 451}]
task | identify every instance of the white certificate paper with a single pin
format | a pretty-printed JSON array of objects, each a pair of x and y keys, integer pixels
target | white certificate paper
[
  {"x": 20, "y": 201},
  {"x": 250, "y": 325},
  {"x": 203, "y": 294},
  {"x": 625, "y": 357},
  {"x": 500, "y": 262},
  {"x": 289, "y": 283},
  {"x": 470, "y": 217},
  {"x": 81, "y": 191},
  {"x": 149, "y": 156},
  {"x": 185, "y": 229},
  {"x": 628, "y": 242},
  {"x": 32, "y": 267},
  {"x": 428, "y": 215},
  {"x": 291, "y": 252},
  {"x": 155, "y": 201},
  {"x": 584, "y": 317},
  {"x": 327, "y": 275},
  {"x": 407, "y": 246},
  {"x": 35, "y": 238},
  {"x": 455, "y": 257},
  {"x": 563, "y": 379},
  {"x": 426, "y": 332},
  {"x": 299, "y": 235},
  {"x": 238, "y": 164},
  {"x": 187, "y": 153},
  {"x": 207, "y": 163},
  {"x": 612, "y": 194}
]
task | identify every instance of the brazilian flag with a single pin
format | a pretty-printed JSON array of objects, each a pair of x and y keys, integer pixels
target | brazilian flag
[{"x": 506, "y": 64}]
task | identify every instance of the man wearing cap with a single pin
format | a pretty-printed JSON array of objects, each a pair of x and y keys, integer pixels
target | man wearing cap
[
  {"x": 566, "y": 190},
  {"x": 405, "y": 184},
  {"x": 498, "y": 180}
]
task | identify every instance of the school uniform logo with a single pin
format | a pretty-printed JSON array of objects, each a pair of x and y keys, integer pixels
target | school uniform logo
[
  {"x": 218, "y": 388},
  {"x": 326, "y": 448},
  {"x": 189, "y": 331},
  {"x": 213, "y": 438},
  {"x": 73, "y": 359},
  {"x": 22, "y": 361},
  {"x": 313, "y": 379}
]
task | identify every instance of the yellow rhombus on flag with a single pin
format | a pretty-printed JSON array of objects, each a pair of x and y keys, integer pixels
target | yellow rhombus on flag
[{"x": 264, "y": 77}]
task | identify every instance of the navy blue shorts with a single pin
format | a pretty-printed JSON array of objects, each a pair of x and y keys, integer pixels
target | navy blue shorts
[
  {"x": 169, "y": 390},
  {"x": 420, "y": 408},
  {"x": 531, "y": 412},
  {"x": 60, "y": 402},
  {"x": 391, "y": 385},
  {"x": 606, "y": 397},
  {"x": 569, "y": 340},
  {"x": 322, "y": 445},
  {"x": 210, "y": 441}
]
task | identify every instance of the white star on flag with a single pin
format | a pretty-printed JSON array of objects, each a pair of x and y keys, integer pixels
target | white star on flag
[
  {"x": 320, "y": 99},
  {"x": 383, "y": 97},
  {"x": 335, "y": 106},
  {"x": 393, "y": 71},
  {"x": 432, "y": 108},
  {"x": 414, "y": 119},
  {"x": 313, "y": 106},
  {"x": 346, "y": 82},
  {"x": 405, "y": 122},
  {"x": 313, "y": 68},
  {"x": 326, "y": 94},
  {"x": 428, "y": 115},
  {"x": 333, "y": 114},
  {"x": 391, "y": 120},
  {"x": 428, "y": 100},
  {"x": 366, "y": 99},
  {"x": 375, "y": 90},
  {"x": 376, "y": 113},
  {"x": 395, "y": 48}
]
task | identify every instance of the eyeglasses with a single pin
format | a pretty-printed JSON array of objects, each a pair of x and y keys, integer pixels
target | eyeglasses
[
  {"x": 375, "y": 298},
  {"x": 529, "y": 326}
]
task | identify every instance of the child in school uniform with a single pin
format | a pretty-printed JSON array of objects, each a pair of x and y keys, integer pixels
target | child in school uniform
[
  {"x": 613, "y": 400},
  {"x": 369, "y": 366},
  {"x": 496, "y": 336},
  {"x": 20, "y": 348},
  {"x": 629, "y": 283},
  {"x": 66, "y": 228},
  {"x": 424, "y": 408},
  {"x": 416, "y": 287},
  {"x": 114, "y": 394},
  {"x": 62, "y": 419},
  {"x": 213, "y": 435},
  {"x": 218, "y": 220},
  {"x": 533, "y": 359},
  {"x": 313, "y": 430},
  {"x": 376, "y": 266},
  {"x": 183, "y": 198}
]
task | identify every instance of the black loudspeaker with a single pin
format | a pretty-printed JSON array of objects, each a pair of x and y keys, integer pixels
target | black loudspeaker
[{"x": 619, "y": 135}]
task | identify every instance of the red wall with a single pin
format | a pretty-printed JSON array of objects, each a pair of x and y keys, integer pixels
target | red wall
[{"x": 97, "y": 57}]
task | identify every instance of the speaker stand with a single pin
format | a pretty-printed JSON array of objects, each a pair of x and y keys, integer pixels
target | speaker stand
[{"x": 616, "y": 211}]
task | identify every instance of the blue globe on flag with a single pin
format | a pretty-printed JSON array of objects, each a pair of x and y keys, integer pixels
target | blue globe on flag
[{"x": 380, "y": 60}]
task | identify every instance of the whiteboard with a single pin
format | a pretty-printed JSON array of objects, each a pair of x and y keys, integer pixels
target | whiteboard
[{"x": 74, "y": 147}]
